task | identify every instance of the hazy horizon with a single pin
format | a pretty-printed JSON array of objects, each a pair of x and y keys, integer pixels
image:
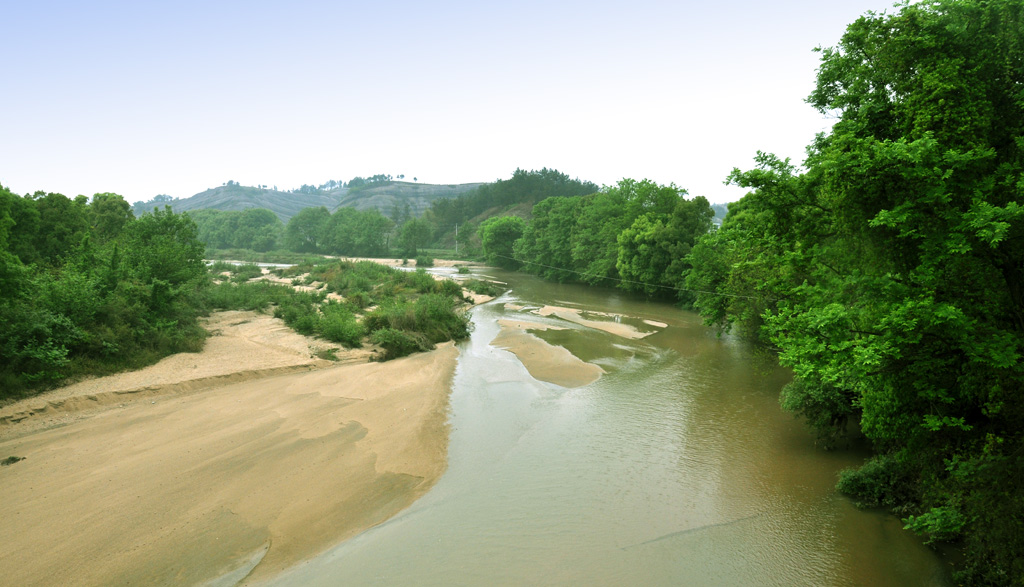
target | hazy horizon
[{"x": 141, "y": 100}]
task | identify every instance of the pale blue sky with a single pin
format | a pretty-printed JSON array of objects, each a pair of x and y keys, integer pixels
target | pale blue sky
[{"x": 143, "y": 98}]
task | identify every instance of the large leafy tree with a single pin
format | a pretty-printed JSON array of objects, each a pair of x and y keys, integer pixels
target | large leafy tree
[
  {"x": 306, "y": 231},
  {"x": 604, "y": 215},
  {"x": 356, "y": 233},
  {"x": 414, "y": 234},
  {"x": 893, "y": 268},
  {"x": 546, "y": 245},
  {"x": 108, "y": 214},
  {"x": 652, "y": 252},
  {"x": 102, "y": 293},
  {"x": 63, "y": 225},
  {"x": 498, "y": 236}
]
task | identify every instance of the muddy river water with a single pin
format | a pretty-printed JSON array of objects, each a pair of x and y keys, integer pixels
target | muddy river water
[{"x": 675, "y": 467}]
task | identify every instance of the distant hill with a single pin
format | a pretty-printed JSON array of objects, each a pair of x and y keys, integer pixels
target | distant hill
[
  {"x": 720, "y": 211},
  {"x": 382, "y": 196},
  {"x": 388, "y": 194}
]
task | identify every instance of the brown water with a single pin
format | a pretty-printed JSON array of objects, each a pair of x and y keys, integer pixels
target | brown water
[{"x": 677, "y": 467}]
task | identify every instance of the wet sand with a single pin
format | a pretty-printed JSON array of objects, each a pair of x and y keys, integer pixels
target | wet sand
[
  {"x": 196, "y": 475},
  {"x": 543, "y": 360},
  {"x": 609, "y": 326}
]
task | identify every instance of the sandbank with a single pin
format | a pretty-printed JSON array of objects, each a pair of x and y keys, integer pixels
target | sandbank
[
  {"x": 240, "y": 480},
  {"x": 609, "y": 326},
  {"x": 412, "y": 262},
  {"x": 243, "y": 345},
  {"x": 544, "y": 361}
]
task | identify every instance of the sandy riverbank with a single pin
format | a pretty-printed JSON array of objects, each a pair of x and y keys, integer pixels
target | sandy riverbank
[{"x": 166, "y": 485}]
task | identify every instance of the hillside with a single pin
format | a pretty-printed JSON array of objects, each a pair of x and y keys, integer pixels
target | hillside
[{"x": 382, "y": 196}]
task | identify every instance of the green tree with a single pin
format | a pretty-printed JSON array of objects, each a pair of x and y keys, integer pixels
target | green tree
[
  {"x": 63, "y": 225},
  {"x": 306, "y": 230},
  {"x": 258, "y": 229},
  {"x": 546, "y": 245},
  {"x": 414, "y": 234},
  {"x": 653, "y": 252},
  {"x": 164, "y": 246},
  {"x": 602, "y": 216},
  {"x": 893, "y": 268},
  {"x": 498, "y": 236},
  {"x": 108, "y": 214}
]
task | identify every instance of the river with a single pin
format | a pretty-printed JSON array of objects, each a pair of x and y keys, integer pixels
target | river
[{"x": 676, "y": 467}]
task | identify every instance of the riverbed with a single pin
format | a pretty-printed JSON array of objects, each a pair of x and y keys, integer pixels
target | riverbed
[{"x": 674, "y": 466}]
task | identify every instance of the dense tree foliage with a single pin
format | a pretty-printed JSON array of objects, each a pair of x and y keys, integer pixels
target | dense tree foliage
[
  {"x": 498, "y": 236},
  {"x": 653, "y": 251},
  {"x": 349, "y": 232},
  {"x": 257, "y": 229},
  {"x": 890, "y": 271},
  {"x": 414, "y": 234},
  {"x": 87, "y": 288},
  {"x": 635, "y": 234},
  {"x": 306, "y": 232},
  {"x": 357, "y": 233},
  {"x": 524, "y": 187}
]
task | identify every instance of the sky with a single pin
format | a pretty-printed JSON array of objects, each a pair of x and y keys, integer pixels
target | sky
[{"x": 147, "y": 98}]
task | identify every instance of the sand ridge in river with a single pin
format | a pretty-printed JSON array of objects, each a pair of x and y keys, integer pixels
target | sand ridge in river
[
  {"x": 183, "y": 488},
  {"x": 544, "y": 361},
  {"x": 610, "y": 326},
  {"x": 556, "y": 364}
]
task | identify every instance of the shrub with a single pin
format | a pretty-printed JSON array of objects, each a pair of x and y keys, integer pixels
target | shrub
[
  {"x": 358, "y": 299},
  {"x": 882, "y": 481},
  {"x": 447, "y": 287},
  {"x": 421, "y": 281},
  {"x": 330, "y": 354},
  {"x": 940, "y": 523},
  {"x": 218, "y": 267},
  {"x": 395, "y": 314},
  {"x": 397, "y": 343},
  {"x": 424, "y": 261},
  {"x": 243, "y": 296},
  {"x": 244, "y": 273},
  {"x": 438, "y": 320},
  {"x": 484, "y": 288},
  {"x": 337, "y": 323}
]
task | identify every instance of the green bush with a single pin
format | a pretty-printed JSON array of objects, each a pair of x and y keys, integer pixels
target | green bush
[
  {"x": 423, "y": 261},
  {"x": 329, "y": 354},
  {"x": 338, "y": 324},
  {"x": 243, "y": 273},
  {"x": 397, "y": 343},
  {"x": 939, "y": 523},
  {"x": 438, "y": 319},
  {"x": 882, "y": 481},
  {"x": 305, "y": 324},
  {"x": 484, "y": 288},
  {"x": 244, "y": 296},
  {"x": 218, "y": 267},
  {"x": 359, "y": 299},
  {"x": 395, "y": 314},
  {"x": 447, "y": 287},
  {"x": 421, "y": 281}
]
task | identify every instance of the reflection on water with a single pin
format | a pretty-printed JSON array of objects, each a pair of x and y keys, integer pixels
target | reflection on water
[{"x": 677, "y": 467}]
